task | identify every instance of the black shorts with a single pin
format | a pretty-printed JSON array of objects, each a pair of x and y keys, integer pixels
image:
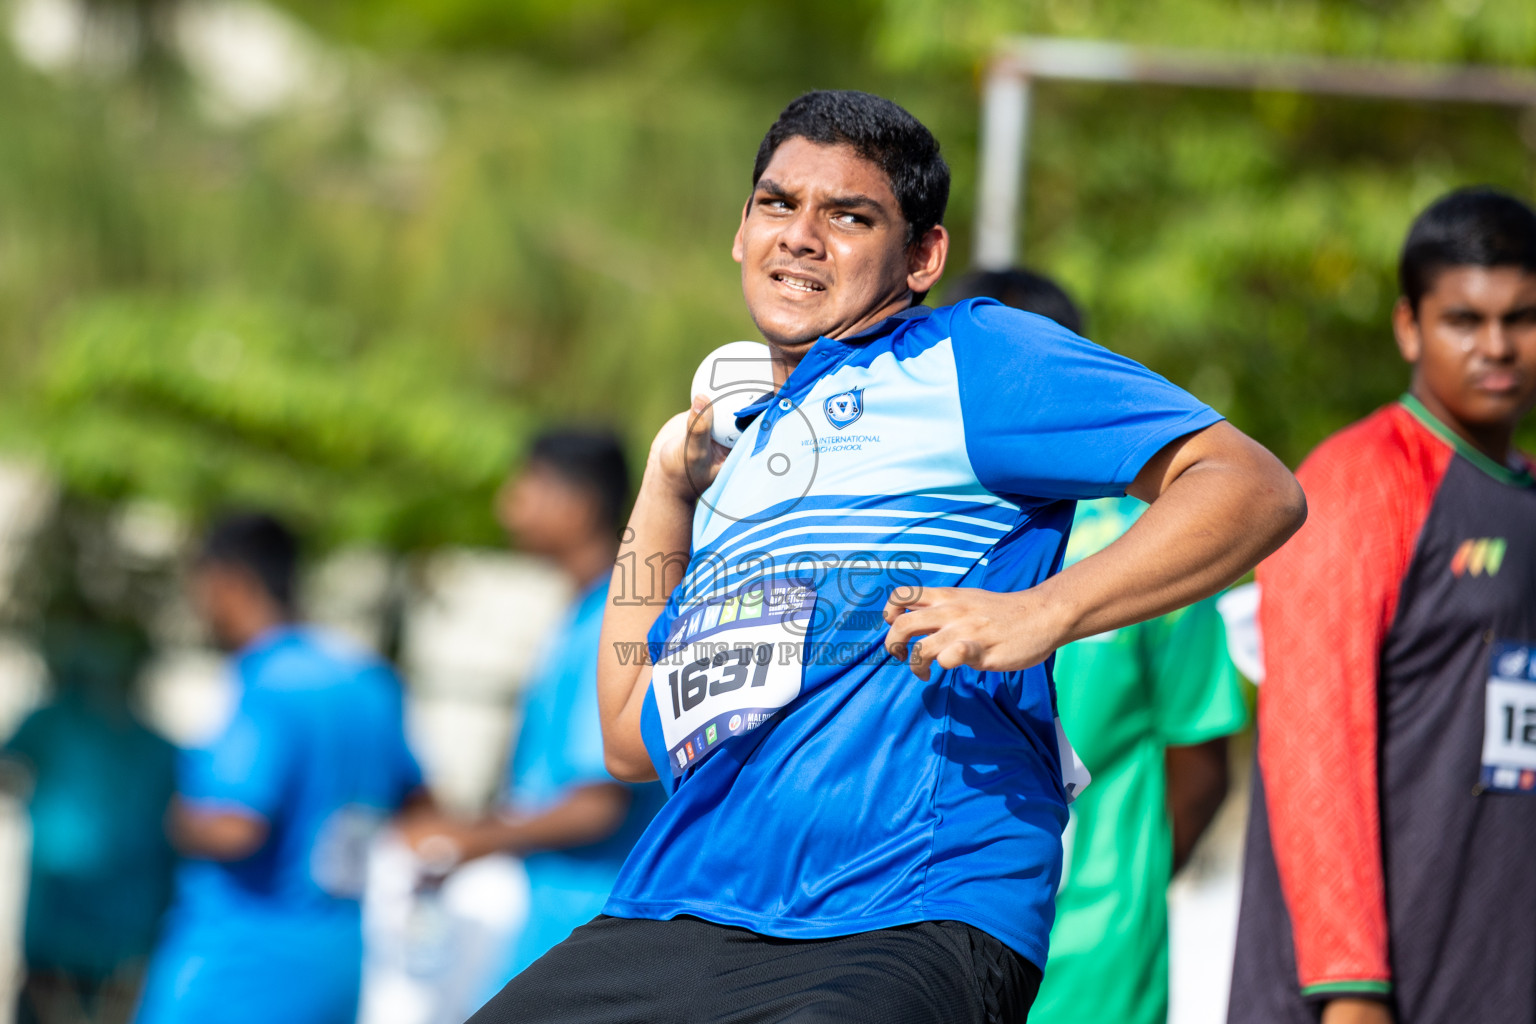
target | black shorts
[{"x": 687, "y": 971}]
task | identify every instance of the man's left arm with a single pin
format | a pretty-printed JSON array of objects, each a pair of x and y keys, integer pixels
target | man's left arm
[{"x": 1219, "y": 501}]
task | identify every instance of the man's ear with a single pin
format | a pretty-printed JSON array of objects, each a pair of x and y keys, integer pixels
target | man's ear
[
  {"x": 738, "y": 248},
  {"x": 1405, "y": 326},
  {"x": 925, "y": 260}
]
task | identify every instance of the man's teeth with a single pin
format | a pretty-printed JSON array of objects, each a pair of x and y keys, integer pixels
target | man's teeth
[{"x": 796, "y": 283}]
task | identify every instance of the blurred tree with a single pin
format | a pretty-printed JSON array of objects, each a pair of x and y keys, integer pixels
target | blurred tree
[{"x": 512, "y": 213}]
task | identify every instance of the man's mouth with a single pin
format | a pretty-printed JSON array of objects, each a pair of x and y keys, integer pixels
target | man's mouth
[
  {"x": 797, "y": 283},
  {"x": 1497, "y": 381}
]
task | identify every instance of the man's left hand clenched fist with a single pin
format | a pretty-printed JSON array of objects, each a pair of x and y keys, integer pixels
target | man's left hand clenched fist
[{"x": 952, "y": 626}]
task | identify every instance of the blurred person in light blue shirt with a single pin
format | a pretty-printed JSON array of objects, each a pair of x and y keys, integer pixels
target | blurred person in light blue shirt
[
  {"x": 276, "y": 817},
  {"x": 568, "y": 819}
]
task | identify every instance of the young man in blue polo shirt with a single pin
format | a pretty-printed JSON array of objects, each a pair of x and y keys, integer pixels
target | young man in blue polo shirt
[
  {"x": 847, "y": 689},
  {"x": 276, "y": 817}
]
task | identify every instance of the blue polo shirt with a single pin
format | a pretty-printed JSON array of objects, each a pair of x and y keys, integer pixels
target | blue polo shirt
[
  {"x": 819, "y": 787},
  {"x": 316, "y": 748}
]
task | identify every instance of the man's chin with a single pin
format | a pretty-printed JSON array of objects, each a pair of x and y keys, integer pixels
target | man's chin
[
  {"x": 1483, "y": 410},
  {"x": 791, "y": 339}
]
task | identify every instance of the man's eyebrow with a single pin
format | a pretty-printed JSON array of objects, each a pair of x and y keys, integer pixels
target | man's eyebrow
[
  {"x": 773, "y": 188},
  {"x": 855, "y": 201}
]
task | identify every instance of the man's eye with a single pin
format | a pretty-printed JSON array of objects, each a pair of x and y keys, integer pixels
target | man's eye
[{"x": 849, "y": 218}]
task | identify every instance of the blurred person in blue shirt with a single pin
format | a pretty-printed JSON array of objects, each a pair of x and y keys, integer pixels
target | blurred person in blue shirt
[
  {"x": 569, "y": 820},
  {"x": 276, "y": 817},
  {"x": 99, "y": 876}
]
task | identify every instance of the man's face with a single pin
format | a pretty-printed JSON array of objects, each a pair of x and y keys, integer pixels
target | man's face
[
  {"x": 1473, "y": 345},
  {"x": 545, "y": 512},
  {"x": 219, "y": 594},
  {"x": 823, "y": 247}
]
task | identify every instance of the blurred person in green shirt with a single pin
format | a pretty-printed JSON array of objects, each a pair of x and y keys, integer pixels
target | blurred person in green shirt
[
  {"x": 1148, "y": 708},
  {"x": 97, "y": 784}
]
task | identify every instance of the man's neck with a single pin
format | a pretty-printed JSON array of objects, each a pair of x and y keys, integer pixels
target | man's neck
[
  {"x": 587, "y": 563},
  {"x": 1494, "y": 442},
  {"x": 248, "y": 628},
  {"x": 785, "y": 360}
]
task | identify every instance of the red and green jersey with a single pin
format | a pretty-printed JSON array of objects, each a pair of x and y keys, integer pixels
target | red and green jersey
[{"x": 1391, "y": 839}]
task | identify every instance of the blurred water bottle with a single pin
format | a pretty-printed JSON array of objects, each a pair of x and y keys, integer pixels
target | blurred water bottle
[{"x": 429, "y": 932}]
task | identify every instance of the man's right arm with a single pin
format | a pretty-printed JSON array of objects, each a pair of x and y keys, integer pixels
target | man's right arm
[
  {"x": 586, "y": 814},
  {"x": 683, "y": 460},
  {"x": 231, "y": 794},
  {"x": 215, "y": 834}
]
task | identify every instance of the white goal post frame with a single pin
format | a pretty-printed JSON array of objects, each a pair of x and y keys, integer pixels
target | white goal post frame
[{"x": 1019, "y": 63}]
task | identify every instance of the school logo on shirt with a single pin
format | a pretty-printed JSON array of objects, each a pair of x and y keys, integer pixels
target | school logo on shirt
[
  {"x": 1479, "y": 556},
  {"x": 843, "y": 409}
]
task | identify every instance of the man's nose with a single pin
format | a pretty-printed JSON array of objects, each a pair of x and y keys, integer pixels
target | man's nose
[
  {"x": 800, "y": 236},
  {"x": 1496, "y": 341}
]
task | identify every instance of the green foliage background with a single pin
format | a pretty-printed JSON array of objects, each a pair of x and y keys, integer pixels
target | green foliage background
[{"x": 517, "y": 214}]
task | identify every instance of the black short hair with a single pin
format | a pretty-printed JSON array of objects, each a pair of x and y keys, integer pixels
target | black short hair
[
  {"x": 1470, "y": 227},
  {"x": 880, "y": 132},
  {"x": 260, "y": 543},
  {"x": 1021, "y": 289},
  {"x": 592, "y": 459}
]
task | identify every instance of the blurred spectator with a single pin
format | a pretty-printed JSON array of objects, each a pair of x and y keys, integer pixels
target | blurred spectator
[
  {"x": 1388, "y": 869},
  {"x": 563, "y": 813},
  {"x": 1148, "y": 709},
  {"x": 1021, "y": 289},
  {"x": 276, "y": 818},
  {"x": 100, "y": 872}
]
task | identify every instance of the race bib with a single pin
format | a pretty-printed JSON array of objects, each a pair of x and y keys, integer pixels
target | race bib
[
  {"x": 1509, "y": 723},
  {"x": 729, "y": 664}
]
